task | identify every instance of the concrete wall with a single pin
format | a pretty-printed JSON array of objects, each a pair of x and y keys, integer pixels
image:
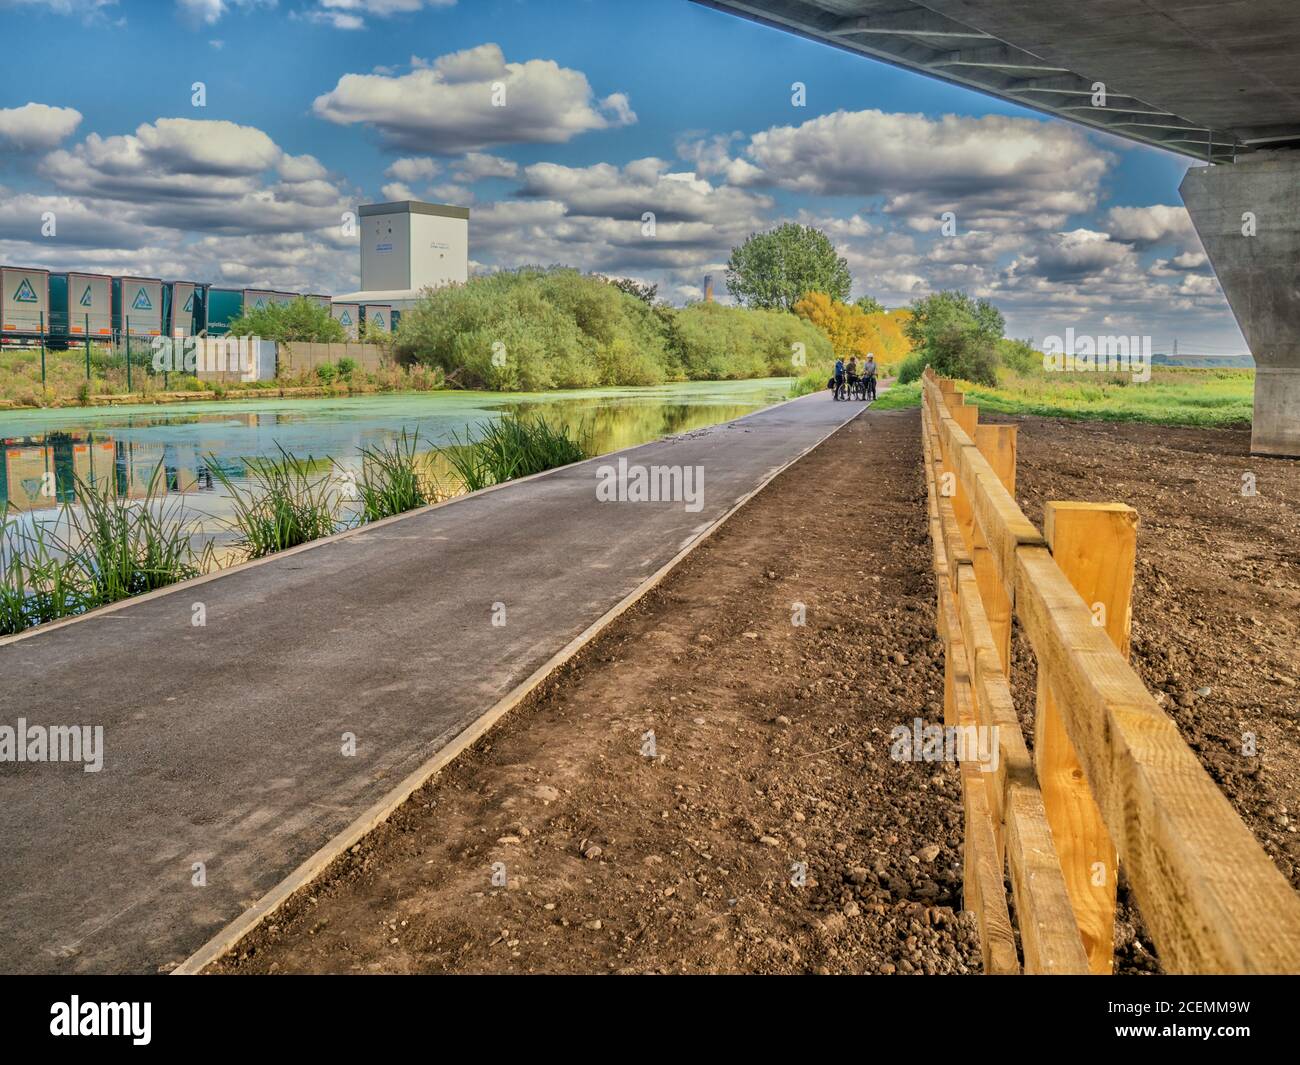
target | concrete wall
[
  {"x": 1247, "y": 214},
  {"x": 304, "y": 357}
]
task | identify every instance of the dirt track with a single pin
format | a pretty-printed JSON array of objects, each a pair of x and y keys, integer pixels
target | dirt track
[{"x": 772, "y": 739}]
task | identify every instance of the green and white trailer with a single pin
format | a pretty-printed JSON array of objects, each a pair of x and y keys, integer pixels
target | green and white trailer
[
  {"x": 81, "y": 306},
  {"x": 138, "y": 306},
  {"x": 24, "y": 303}
]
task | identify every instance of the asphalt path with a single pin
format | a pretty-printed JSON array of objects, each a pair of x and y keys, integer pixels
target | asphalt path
[{"x": 223, "y": 744}]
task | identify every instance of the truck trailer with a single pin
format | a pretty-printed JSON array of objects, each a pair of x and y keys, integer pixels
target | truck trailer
[
  {"x": 81, "y": 305},
  {"x": 24, "y": 303},
  {"x": 183, "y": 308},
  {"x": 138, "y": 306}
]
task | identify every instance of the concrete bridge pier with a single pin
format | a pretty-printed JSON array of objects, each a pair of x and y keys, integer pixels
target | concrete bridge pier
[{"x": 1247, "y": 214}]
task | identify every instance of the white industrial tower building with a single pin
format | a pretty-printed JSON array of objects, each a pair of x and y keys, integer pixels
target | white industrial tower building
[{"x": 406, "y": 247}]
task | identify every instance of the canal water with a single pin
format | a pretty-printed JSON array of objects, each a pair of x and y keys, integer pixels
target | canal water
[{"x": 44, "y": 451}]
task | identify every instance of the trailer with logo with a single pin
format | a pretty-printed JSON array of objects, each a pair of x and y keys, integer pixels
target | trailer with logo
[
  {"x": 378, "y": 317},
  {"x": 320, "y": 301},
  {"x": 137, "y": 306},
  {"x": 348, "y": 315},
  {"x": 183, "y": 308},
  {"x": 24, "y": 303},
  {"x": 81, "y": 306}
]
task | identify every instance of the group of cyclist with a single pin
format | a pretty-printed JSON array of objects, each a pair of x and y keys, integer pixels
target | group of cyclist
[{"x": 853, "y": 382}]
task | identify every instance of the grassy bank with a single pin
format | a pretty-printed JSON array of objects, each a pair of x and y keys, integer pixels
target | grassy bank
[
  {"x": 107, "y": 547},
  {"x": 1174, "y": 396},
  {"x": 66, "y": 382}
]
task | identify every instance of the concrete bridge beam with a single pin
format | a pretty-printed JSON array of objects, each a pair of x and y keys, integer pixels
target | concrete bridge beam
[{"x": 1247, "y": 214}]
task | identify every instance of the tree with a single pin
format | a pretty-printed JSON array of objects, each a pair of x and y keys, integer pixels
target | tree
[
  {"x": 957, "y": 336},
  {"x": 854, "y": 332},
  {"x": 301, "y": 319},
  {"x": 870, "y": 304},
  {"x": 773, "y": 270},
  {"x": 645, "y": 293}
]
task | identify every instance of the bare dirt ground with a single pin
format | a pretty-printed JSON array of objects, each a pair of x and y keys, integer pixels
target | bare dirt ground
[{"x": 771, "y": 739}]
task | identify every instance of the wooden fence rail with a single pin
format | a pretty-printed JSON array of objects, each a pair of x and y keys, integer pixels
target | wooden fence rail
[{"x": 1110, "y": 779}]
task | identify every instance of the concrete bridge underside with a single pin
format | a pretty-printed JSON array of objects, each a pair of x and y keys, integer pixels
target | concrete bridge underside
[{"x": 1214, "y": 80}]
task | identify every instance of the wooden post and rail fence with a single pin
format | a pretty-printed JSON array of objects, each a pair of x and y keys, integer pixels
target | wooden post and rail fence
[{"x": 1110, "y": 780}]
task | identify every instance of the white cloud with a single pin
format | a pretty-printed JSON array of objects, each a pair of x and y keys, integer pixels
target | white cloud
[
  {"x": 206, "y": 175},
  {"x": 447, "y": 107},
  {"x": 348, "y": 14},
  {"x": 86, "y": 8},
  {"x": 37, "y": 127},
  {"x": 477, "y": 166},
  {"x": 416, "y": 169},
  {"x": 639, "y": 186},
  {"x": 1009, "y": 173},
  {"x": 209, "y": 12},
  {"x": 1157, "y": 224}
]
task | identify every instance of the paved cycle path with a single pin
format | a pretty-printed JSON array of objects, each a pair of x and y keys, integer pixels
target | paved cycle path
[{"x": 223, "y": 743}]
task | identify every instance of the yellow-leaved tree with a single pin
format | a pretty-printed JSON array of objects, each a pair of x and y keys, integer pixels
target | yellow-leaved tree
[{"x": 856, "y": 333}]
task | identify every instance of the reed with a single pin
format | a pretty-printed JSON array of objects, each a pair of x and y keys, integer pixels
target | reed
[{"x": 287, "y": 503}]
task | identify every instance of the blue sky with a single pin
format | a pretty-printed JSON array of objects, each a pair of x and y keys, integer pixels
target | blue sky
[{"x": 611, "y": 109}]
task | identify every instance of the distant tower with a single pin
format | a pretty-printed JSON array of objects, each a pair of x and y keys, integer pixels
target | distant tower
[
  {"x": 1175, "y": 347},
  {"x": 708, "y": 288}
]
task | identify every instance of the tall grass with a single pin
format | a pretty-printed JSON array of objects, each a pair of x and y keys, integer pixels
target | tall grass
[
  {"x": 128, "y": 547},
  {"x": 101, "y": 550},
  {"x": 288, "y": 503},
  {"x": 514, "y": 446},
  {"x": 394, "y": 479},
  {"x": 37, "y": 582},
  {"x": 1205, "y": 398}
]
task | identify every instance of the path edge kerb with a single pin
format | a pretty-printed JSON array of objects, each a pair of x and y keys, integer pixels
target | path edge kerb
[
  {"x": 230, "y": 936},
  {"x": 346, "y": 534}
]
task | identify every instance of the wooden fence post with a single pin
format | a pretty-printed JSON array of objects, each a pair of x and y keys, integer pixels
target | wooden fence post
[
  {"x": 997, "y": 443},
  {"x": 1095, "y": 545}
]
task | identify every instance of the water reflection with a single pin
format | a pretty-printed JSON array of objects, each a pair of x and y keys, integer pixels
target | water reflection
[{"x": 45, "y": 451}]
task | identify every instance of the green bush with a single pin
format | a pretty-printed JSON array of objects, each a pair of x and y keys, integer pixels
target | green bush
[
  {"x": 1019, "y": 356},
  {"x": 957, "y": 335},
  {"x": 300, "y": 319},
  {"x": 326, "y": 371},
  {"x": 347, "y": 367},
  {"x": 534, "y": 329},
  {"x": 720, "y": 342},
  {"x": 911, "y": 368}
]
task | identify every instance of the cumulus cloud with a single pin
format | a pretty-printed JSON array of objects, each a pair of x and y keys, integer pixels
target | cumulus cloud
[
  {"x": 469, "y": 100},
  {"x": 1079, "y": 254},
  {"x": 477, "y": 166},
  {"x": 1157, "y": 224},
  {"x": 36, "y": 127},
  {"x": 640, "y": 186},
  {"x": 206, "y": 175},
  {"x": 1009, "y": 173},
  {"x": 418, "y": 169}
]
